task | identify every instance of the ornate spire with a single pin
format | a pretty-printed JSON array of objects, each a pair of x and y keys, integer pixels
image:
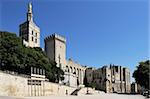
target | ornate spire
[{"x": 29, "y": 13}]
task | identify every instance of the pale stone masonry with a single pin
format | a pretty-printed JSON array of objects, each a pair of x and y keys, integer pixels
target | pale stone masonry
[
  {"x": 17, "y": 85},
  {"x": 76, "y": 69},
  {"x": 29, "y": 31},
  {"x": 90, "y": 74},
  {"x": 134, "y": 88},
  {"x": 110, "y": 78},
  {"x": 55, "y": 48}
]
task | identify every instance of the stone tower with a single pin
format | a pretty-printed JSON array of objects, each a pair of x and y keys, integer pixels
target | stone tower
[
  {"x": 29, "y": 31},
  {"x": 55, "y": 48}
]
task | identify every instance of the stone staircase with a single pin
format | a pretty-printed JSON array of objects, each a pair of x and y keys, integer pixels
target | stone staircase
[{"x": 85, "y": 91}]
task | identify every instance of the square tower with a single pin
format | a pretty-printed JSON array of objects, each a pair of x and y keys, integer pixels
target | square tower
[
  {"x": 29, "y": 31},
  {"x": 55, "y": 48}
]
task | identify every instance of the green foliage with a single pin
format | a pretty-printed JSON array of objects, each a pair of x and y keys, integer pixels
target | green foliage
[
  {"x": 92, "y": 85},
  {"x": 16, "y": 57},
  {"x": 56, "y": 73},
  {"x": 142, "y": 74},
  {"x": 87, "y": 84},
  {"x": 9, "y": 49},
  {"x": 85, "y": 80}
]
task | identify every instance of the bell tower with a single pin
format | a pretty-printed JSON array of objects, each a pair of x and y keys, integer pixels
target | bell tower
[{"x": 29, "y": 31}]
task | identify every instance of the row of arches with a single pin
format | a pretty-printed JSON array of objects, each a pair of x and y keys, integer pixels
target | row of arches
[{"x": 79, "y": 72}]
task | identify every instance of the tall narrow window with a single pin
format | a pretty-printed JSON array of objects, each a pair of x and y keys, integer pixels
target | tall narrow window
[
  {"x": 36, "y": 34},
  {"x": 116, "y": 68},
  {"x": 35, "y": 40},
  {"x": 32, "y": 32},
  {"x": 32, "y": 38}
]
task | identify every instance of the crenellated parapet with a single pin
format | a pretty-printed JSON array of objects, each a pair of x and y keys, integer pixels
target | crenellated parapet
[{"x": 55, "y": 36}]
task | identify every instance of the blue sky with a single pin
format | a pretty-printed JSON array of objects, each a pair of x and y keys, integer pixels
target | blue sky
[{"x": 98, "y": 32}]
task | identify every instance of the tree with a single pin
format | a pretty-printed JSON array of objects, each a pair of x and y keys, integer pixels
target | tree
[
  {"x": 92, "y": 84},
  {"x": 87, "y": 84},
  {"x": 16, "y": 57},
  {"x": 142, "y": 74},
  {"x": 10, "y": 45},
  {"x": 56, "y": 73},
  {"x": 85, "y": 80}
]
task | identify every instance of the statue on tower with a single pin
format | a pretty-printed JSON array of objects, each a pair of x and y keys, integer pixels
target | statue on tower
[
  {"x": 29, "y": 31},
  {"x": 30, "y": 8},
  {"x": 29, "y": 13}
]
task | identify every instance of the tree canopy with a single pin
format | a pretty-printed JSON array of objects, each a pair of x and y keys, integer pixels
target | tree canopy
[
  {"x": 87, "y": 84},
  {"x": 142, "y": 74},
  {"x": 16, "y": 57}
]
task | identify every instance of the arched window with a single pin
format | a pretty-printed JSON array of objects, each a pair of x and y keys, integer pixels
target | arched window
[{"x": 74, "y": 70}]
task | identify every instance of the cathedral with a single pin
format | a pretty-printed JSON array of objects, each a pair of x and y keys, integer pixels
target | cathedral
[{"x": 109, "y": 79}]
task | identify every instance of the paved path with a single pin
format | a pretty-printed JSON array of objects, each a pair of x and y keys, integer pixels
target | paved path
[{"x": 101, "y": 96}]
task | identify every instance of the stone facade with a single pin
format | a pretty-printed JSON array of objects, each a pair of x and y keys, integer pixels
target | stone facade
[
  {"x": 29, "y": 31},
  {"x": 75, "y": 69},
  {"x": 90, "y": 74},
  {"x": 14, "y": 85},
  {"x": 110, "y": 79},
  {"x": 134, "y": 88},
  {"x": 55, "y": 48}
]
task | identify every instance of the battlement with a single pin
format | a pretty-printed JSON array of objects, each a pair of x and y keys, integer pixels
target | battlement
[
  {"x": 75, "y": 63},
  {"x": 91, "y": 68},
  {"x": 55, "y": 36}
]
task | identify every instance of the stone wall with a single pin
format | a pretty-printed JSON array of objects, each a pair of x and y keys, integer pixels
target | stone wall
[
  {"x": 13, "y": 85},
  {"x": 55, "y": 48},
  {"x": 111, "y": 78},
  {"x": 57, "y": 89},
  {"x": 77, "y": 69}
]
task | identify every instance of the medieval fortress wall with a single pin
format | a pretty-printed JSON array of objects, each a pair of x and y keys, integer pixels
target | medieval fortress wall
[
  {"x": 106, "y": 79},
  {"x": 13, "y": 85},
  {"x": 55, "y": 48}
]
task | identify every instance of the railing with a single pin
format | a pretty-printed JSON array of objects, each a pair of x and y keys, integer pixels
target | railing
[{"x": 76, "y": 91}]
